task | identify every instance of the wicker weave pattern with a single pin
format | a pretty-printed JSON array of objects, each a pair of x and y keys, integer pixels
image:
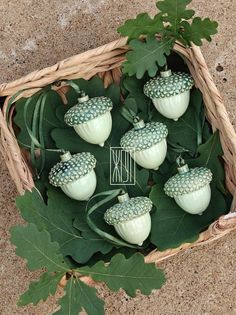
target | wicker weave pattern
[{"x": 106, "y": 61}]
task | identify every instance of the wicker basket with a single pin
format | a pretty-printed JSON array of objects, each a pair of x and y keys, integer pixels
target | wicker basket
[{"x": 106, "y": 61}]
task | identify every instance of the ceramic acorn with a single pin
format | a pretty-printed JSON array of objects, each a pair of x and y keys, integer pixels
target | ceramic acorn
[
  {"x": 170, "y": 93},
  {"x": 190, "y": 188},
  {"x": 131, "y": 218},
  {"x": 75, "y": 175},
  {"x": 149, "y": 142},
  {"x": 91, "y": 118}
]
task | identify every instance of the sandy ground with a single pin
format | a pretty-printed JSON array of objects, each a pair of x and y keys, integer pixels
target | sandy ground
[{"x": 34, "y": 34}]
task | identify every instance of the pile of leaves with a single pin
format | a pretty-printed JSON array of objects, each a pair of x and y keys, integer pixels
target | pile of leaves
[{"x": 57, "y": 236}]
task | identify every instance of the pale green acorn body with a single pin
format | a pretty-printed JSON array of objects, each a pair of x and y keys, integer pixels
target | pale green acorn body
[
  {"x": 170, "y": 93},
  {"x": 135, "y": 231},
  {"x": 172, "y": 107},
  {"x": 131, "y": 218},
  {"x": 82, "y": 188},
  {"x": 75, "y": 175},
  {"x": 153, "y": 157},
  {"x": 195, "y": 202},
  {"x": 97, "y": 130}
]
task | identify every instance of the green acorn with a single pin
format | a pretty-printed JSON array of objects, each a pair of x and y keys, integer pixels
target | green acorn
[
  {"x": 131, "y": 218},
  {"x": 170, "y": 93},
  {"x": 91, "y": 118},
  {"x": 148, "y": 142},
  {"x": 75, "y": 175},
  {"x": 190, "y": 188}
]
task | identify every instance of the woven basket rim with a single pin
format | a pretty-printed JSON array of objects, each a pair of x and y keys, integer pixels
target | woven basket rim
[
  {"x": 105, "y": 61},
  {"x": 7, "y": 88}
]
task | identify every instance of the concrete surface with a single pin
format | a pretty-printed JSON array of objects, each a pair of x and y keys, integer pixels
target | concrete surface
[{"x": 35, "y": 34}]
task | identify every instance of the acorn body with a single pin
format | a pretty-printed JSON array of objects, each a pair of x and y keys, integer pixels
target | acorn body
[
  {"x": 170, "y": 93},
  {"x": 153, "y": 157},
  {"x": 91, "y": 119},
  {"x": 148, "y": 142},
  {"x": 190, "y": 188},
  {"x": 75, "y": 175},
  {"x": 82, "y": 188},
  {"x": 126, "y": 229},
  {"x": 131, "y": 218},
  {"x": 97, "y": 130},
  {"x": 173, "y": 107},
  {"x": 195, "y": 202}
]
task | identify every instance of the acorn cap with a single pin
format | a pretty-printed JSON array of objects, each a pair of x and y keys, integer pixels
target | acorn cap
[
  {"x": 168, "y": 84},
  {"x": 145, "y": 137},
  {"x": 127, "y": 210},
  {"x": 71, "y": 167},
  {"x": 188, "y": 180},
  {"x": 87, "y": 109}
]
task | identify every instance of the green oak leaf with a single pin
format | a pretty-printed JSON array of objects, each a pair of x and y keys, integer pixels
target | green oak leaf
[
  {"x": 174, "y": 11},
  {"x": 171, "y": 226},
  {"x": 209, "y": 154},
  {"x": 135, "y": 90},
  {"x": 37, "y": 248},
  {"x": 80, "y": 246},
  {"x": 69, "y": 140},
  {"x": 207, "y": 128},
  {"x": 95, "y": 87},
  {"x": 82, "y": 251},
  {"x": 79, "y": 296},
  {"x": 130, "y": 274},
  {"x": 147, "y": 56},
  {"x": 199, "y": 29},
  {"x": 143, "y": 24},
  {"x": 141, "y": 183},
  {"x": 129, "y": 109},
  {"x": 127, "y": 252},
  {"x": 57, "y": 218},
  {"x": 41, "y": 289}
]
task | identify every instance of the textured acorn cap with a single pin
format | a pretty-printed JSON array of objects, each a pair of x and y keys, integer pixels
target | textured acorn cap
[
  {"x": 128, "y": 210},
  {"x": 189, "y": 181},
  {"x": 77, "y": 166},
  {"x": 174, "y": 84},
  {"x": 87, "y": 110},
  {"x": 144, "y": 138}
]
